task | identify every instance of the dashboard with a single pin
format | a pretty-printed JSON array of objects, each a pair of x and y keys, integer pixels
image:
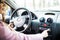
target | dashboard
[
  {"x": 42, "y": 20},
  {"x": 45, "y": 18}
]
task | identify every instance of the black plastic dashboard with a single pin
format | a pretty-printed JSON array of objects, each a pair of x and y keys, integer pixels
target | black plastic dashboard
[{"x": 47, "y": 20}]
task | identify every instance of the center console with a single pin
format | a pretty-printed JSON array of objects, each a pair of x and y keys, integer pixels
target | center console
[
  {"x": 46, "y": 20},
  {"x": 46, "y": 24}
]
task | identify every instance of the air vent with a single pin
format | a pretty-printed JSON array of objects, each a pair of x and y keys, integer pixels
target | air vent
[
  {"x": 49, "y": 13},
  {"x": 50, "y": 20}
]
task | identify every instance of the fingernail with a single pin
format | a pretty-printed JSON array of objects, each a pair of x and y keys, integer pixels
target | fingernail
[{"x": 49, "y": 30}]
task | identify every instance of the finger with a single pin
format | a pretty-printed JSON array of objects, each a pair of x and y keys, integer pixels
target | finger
[
  {"x": 48, "y": 30},
  {"x": 9, "y": 23}
]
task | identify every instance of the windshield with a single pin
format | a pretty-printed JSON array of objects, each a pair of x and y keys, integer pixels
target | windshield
[{"x": 38, "y": 4}]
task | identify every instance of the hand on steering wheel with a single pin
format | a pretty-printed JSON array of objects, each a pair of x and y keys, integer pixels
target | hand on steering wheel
[{"x": 19, "y": 21}]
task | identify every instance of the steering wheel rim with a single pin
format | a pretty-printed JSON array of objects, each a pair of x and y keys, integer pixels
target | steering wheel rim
[{"x": 30, "y": 17}]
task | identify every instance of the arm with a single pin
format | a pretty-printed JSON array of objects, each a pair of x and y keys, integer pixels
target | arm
[
  {"x": 7, "y": 34},
  {"x": 44, "y": 34}
]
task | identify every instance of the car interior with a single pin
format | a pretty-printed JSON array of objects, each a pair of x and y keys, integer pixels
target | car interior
[{"x": 35, "y": 16}]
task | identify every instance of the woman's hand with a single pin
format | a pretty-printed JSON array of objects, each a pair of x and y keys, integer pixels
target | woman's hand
[
  {"x": 11, "y": 26},
  {"x": 45, "y": 33}
]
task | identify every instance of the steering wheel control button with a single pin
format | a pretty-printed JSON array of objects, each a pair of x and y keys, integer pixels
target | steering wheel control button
[
  {"x": 50, "y": 20},
  {"x": 25, "y": 25},
  {"x": 42, "y": 19}
]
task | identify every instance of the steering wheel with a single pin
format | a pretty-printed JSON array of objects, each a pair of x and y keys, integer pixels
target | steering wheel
[{"x": 20, "y": 20}]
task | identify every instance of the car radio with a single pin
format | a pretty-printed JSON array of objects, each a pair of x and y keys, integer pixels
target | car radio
[{"x": 44, "y": 24}]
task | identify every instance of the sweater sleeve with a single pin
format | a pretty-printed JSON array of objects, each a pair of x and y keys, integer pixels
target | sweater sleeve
[
  {"x": 7, "y": 34},
  {"x": 22, "y": 36}
]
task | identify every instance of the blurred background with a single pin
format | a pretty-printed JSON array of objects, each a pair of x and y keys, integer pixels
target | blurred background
[{"x": 38, "y": 4}]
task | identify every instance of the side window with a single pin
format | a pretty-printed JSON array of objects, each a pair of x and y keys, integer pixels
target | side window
[
  {"x": 8, "y": 12},
  {"x": 35, "y": 4}
]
